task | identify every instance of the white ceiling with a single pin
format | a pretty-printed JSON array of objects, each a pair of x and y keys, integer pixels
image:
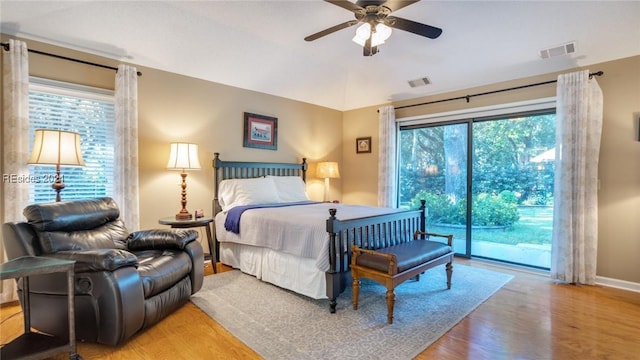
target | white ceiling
[{"x": 258, "y": 45}]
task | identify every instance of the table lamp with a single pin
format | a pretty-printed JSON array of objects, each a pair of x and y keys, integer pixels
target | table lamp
[
  {"x": 56, "y": 147},
  {"x": 183, "y": 157},
  {"x": 327, "y": 170}
]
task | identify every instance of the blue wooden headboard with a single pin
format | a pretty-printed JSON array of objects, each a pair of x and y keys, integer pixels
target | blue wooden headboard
[{"x": 247, "y": 169}]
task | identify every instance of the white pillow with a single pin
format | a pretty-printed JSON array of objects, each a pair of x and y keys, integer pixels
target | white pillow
[
  {"x": 238, "y": 192},
  {"x": 290, "y": 188}
]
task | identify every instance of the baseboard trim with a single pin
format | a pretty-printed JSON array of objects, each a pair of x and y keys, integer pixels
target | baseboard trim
[
  {"x": 600, "y": 280},
  {"x": 619, "y": 284}
]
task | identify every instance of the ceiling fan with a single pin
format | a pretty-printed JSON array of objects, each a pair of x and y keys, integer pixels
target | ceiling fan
[{"x": 376, "y": 23}]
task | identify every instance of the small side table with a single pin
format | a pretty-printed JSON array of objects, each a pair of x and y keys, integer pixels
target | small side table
[
  {"x": 33, "y": 345},
  {"x": 191, "y": 223}
]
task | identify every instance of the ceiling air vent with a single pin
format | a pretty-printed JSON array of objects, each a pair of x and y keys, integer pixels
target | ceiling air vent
[
  {"x": 558, "y": 50},
  {"x": 419, "y": 82}
]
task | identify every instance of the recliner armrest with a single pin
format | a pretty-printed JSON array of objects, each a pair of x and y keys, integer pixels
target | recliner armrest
[
  {"x": 97, "y": 259},
  {"x": 161, "y": 239}
]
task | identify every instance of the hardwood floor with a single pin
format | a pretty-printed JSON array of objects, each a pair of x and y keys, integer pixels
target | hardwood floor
[{"x": 531, "y": 317}]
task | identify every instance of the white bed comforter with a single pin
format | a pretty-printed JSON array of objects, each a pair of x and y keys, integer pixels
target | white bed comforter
[{"x": 296, "y": 230}]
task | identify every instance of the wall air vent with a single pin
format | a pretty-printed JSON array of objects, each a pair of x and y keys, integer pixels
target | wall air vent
[
  {"x": 558, "y": 50},
  {"x": 419, "y": 82}
]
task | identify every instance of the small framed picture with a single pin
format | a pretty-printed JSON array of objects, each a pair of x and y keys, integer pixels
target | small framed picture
[
  {"x": 260, "y": 131},
  {"x": 363, "y": 145}
]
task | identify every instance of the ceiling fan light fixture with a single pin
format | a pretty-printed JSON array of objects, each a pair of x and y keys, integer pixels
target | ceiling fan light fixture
[
  {"x": 374, "y": 23},
  {"x": 363, "y": 32},
  {"x": 382, "y": 31},
  {"x": 379, "y": 35}
]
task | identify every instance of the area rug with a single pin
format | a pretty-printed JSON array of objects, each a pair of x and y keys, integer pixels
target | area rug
[{"x": 279, "y": 324}]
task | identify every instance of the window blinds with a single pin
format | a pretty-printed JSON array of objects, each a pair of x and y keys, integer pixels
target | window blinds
[{"x": 87, "y": 111}]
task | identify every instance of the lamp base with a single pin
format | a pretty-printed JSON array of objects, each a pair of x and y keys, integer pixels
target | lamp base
[
  {"x": 184, "y": 216},
  {"x": 326, "y": 190},
  {"x": 57, "y": 184}
]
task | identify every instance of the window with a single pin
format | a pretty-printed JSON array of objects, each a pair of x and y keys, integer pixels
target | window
[{"x": 87, "y": 111}]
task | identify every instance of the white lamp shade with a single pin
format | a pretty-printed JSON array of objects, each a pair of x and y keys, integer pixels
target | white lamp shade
[
  {"x": 328, "y": 170},
  {"x": 183, "y": 156},
  {"x": 56, "y": 147}
]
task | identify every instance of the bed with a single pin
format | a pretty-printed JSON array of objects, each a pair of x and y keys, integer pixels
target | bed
[{"x": 267, "y": 227}]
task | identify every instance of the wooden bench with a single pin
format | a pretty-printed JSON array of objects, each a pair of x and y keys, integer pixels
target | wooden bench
[{"x": 391, "y": 266}]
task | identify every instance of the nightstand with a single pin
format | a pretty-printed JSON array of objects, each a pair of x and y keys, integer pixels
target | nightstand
[
  {"x": 192, "y": 223},
  {"x": 34, "y": 345}
]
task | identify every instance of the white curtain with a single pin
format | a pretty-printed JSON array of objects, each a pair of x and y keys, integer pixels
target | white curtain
[
  {"x": 575, "y": 219},
  {"x": 15, "y": 195},
  {"x": 387, "y": 193},
  {"x": 126, "y": 187}
]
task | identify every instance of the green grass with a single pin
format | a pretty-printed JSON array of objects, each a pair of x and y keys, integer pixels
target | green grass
[{"x": 534, "y": 227}]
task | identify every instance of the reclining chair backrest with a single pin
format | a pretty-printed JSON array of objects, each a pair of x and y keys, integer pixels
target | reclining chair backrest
[
  {"x": 77, "y": 225},
  {"x": 19, "y": 239}
]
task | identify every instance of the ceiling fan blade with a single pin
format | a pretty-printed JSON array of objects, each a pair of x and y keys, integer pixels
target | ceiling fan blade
[
  {"x": 330, "y": 30},
  {"x": 347, "y": 5},
  {"x": 394, "y": 5},
  {"x": 414, "y": 27}
]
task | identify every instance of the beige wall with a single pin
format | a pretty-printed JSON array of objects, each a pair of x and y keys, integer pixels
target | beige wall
[
  {"x": 619, "y": 165},
  {"x": 360, "y": 185},
  {"x": 179, "y": 108}
]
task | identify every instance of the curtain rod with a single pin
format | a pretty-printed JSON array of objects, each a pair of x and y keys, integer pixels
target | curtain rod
[
  {"x": 468, "y": 97},
  {"x": 6, "y": 47}
]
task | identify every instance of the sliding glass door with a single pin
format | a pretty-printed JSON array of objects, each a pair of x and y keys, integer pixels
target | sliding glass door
[
  {"x": 513, "y": 170},
  {"x": 433, "y": 166},
  {"x": 488, "y": 181}
]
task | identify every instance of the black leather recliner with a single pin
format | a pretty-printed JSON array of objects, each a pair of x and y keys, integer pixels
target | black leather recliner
[{"x": 124, "y": 282}]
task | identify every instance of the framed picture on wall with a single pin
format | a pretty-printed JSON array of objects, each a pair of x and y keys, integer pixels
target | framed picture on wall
[
  {"x": 363, "y": 145},
  {"x": 260, "y": 131}
]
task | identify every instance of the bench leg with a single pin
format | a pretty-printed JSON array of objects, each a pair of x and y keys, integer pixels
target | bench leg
[
  {"x": 391, "y": 298},
  {"x": 449, "y": 272},
  {"x": 355, "y": 288}
]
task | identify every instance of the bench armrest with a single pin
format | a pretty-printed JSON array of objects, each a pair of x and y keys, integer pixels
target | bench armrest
[
  {"x": 357, "y": 250},
  {"x": 390, "y": 258},
  {"x": 428, "y": 235}
]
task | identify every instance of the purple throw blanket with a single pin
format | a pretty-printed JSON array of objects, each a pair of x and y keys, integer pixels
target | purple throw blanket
[{"x": 232, "y": 222}]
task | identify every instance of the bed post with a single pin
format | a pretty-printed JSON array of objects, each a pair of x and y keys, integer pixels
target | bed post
[
  {"x": 332, "y": 276},
  {"x": 216, "y": 205},
  {"x": 423, "y": 215},
  {"x": 304, "y": 170},
  {"x": 216, "y": 182}
]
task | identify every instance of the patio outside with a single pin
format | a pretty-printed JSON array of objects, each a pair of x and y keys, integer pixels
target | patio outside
[{"x": 528, "y": 242}]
